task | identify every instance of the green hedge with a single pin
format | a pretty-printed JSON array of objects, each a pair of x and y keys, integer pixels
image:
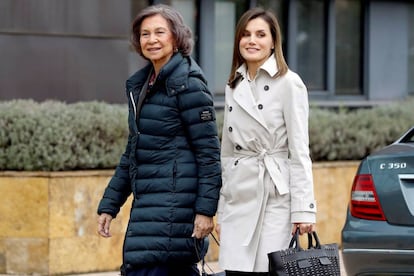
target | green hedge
[
  {"x": 54, "y": 136},
  {"x": 353, "y": 134},
  {"x": 57, "y": 136}
]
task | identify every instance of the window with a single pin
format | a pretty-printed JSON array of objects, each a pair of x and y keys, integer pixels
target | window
[
  {"x": 188, "y": 10},
  {"x": 226, "y": 15},
  {"x": 410, "y": 70},
  {"x": 348, "y": 46},
  {"x": 310, "y": 43},
  {"x": 280, "y": 9},
  {"x": 225, "y": 22}
]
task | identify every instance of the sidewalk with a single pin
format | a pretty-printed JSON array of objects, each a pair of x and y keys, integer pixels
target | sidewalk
[
  {"x": 213, "y": 265},
  {"x": 209, "y": 267}
]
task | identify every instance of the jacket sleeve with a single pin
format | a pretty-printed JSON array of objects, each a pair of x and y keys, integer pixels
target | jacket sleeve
[
  {"x": 199, "y": 120},
  {"x": 119, "y": 187},
  {"x": 296, "y": 113}
]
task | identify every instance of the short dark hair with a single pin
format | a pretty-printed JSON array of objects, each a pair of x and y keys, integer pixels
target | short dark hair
[{"x": 182, "y": 33}]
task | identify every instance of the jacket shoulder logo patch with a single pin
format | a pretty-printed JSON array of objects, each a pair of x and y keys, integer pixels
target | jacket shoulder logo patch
[{"x": 206, "y": 115}]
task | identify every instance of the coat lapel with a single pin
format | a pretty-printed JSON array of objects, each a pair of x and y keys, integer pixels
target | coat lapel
[{"x": 243, "y": 97}]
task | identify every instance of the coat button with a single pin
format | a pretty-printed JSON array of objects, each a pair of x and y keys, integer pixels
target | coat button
[
  {"x": 311, "y": 205},
  {"x": 236, "y": 162},
  {"x": 230, "y": 108},
  {"x": 266, "y": 87},
  {"x": 230, "y": 129},
  {"x": 260, "y": 106},
  {"x": 238, "y": 147}
]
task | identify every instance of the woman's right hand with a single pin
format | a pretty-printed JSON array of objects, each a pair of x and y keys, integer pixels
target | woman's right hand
[
  {"x": 304, "y": 227},
  {"x": 104, "y": 223}
]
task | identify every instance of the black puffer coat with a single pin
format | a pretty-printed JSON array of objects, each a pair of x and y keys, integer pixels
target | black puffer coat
[{"x": 171, "y": 165}]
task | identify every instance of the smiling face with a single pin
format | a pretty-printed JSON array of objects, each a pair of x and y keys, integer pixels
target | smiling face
[
  {"x": 156, "y": 40},
  {"x": 256, "y": 43}
]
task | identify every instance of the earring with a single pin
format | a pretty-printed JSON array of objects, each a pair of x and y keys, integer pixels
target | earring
[{"x": 175, "y": 50}]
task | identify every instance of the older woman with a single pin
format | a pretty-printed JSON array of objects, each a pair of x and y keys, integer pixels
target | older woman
[
  {"x": 171, "y": 164},
  {"x": 267, "y": 188}
]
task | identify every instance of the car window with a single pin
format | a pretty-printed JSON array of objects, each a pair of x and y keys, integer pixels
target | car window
[{"x": 408, "y": 137}]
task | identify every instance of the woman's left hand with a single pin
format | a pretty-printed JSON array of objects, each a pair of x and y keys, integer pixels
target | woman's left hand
[
  {"x": 104, "y": 224},
  {"x": 304, "y": 227},
  {"x": 203, "y": 225}
]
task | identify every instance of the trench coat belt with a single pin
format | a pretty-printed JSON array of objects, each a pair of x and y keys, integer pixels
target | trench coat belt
[{"x": 267, "y": 162}]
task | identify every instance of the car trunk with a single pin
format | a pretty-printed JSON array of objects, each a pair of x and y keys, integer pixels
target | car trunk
[{"x": 393, "y": 175}]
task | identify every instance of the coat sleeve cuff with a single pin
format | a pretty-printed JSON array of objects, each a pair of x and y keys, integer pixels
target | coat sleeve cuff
[
  {"x": 303, "y": 206},
  {"x": 303, "y": 211},
  {"x": 305, "y": 217}
]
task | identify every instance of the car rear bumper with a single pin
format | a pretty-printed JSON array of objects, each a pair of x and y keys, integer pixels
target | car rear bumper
[
  {"x": 377, "y": 247},
  {"x": 378, "y": 261}
]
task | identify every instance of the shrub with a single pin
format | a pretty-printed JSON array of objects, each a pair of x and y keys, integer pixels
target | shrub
[
  {"x": 54, "y": 136},
  {"x": 353, "y": 134},
  {"x": 57, "y": 136}
]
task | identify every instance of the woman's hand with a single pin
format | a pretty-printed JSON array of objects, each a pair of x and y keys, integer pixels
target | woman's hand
[
  {"x": 203, "y": 226},
  {"x": 104, "y": 223},
  {"x": 304, "y": 227}
]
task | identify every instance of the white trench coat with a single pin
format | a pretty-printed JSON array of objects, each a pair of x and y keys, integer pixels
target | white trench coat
[{"x": 266, "y": 167}]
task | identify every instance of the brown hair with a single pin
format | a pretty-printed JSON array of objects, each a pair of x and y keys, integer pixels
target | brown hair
[
  {"x": 271, "y": 19},
  {"x": 181, "y": 32}
]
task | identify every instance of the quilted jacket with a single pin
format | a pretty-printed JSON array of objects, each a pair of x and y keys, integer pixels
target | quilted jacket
[{"x": 171, "y": 165}]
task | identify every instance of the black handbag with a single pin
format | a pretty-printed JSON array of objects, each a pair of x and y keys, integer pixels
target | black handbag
[
  {"x": 316, "y": 260},
  {"x": 201, "y": 250}
]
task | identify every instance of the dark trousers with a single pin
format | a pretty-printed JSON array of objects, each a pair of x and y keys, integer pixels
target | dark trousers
[
  {"x": 165, "y": 271},
  {"x": 239, "y": 273}
]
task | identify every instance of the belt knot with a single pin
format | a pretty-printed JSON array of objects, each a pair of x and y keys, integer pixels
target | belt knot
[{"x": 262, "y": 155}]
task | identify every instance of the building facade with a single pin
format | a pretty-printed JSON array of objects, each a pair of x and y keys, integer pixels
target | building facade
[{"x": 348, "y": 52}]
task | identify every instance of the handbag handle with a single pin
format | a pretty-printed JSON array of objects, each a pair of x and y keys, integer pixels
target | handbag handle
[
  {"x": 294, "y": 242},
  {"x": 201, "y": 247},
  {"x": 310, "y": 240}
]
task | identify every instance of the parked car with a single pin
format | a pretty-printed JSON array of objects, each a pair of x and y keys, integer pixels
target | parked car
[{"x": 378, "y": 235}]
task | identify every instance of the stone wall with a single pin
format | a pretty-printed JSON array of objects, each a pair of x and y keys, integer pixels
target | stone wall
[{"x": 48, "y": 220}]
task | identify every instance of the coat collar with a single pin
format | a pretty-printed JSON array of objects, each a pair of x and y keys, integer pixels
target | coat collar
[
  {"x": 138, "y": 79},
  {"x": 174, "y": 74},
  {"x": 269, "y": 66}
]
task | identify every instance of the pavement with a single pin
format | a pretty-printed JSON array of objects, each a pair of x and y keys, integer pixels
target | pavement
[{"x": 210, "y": 267}]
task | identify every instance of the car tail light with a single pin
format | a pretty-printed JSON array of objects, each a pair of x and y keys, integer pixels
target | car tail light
[{"x": 364, "y": 199}]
